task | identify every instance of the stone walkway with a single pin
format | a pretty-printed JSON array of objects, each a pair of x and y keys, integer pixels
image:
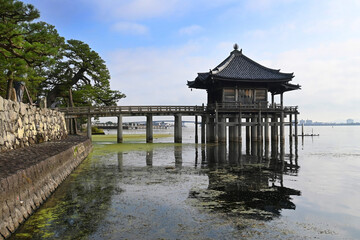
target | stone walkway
[{"x": 22, "y": 158}]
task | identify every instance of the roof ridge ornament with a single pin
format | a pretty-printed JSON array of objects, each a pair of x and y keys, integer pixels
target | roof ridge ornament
[
  {"x": 236, "y": 46},
  {"x": 236, "y": 49}
]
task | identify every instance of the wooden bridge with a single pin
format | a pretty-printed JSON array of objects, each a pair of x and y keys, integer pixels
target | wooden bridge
[{"x": 214, "y": 120}]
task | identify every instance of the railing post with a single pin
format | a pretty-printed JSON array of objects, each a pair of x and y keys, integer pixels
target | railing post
[
  {"x": 89, "y": 126},
  {"x": 119, "y": 130}
]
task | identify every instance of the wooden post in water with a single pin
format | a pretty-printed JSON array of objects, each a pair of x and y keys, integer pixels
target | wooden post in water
[
  {"x": 240, "y": 129},
  {"x": 259, "y": 128},
  {"x": 221, "y": 129},
  {"x": 119, "y": 129},
  {"x": 149, "y": 128},
  {"x": 247, "y": 136},
  {"x": 233, "y": 129},
  {"x": 208, "y": 129},
  {"x": 290, "y": 127},
  {"x": 203, "y": 128},
  {"x": 254, "y": 136},
  {"x": 266, "y": 129},
  {"x": 178, "y": 129},
  {"x": 282, "y": 132},
  {"x": 302, "y": 130},
  {"x": 196, "y": 129},
  {"x": 296, "y": 127},
  {"x": 89, "y": 127},
  {"x": 216, "y": 126}
]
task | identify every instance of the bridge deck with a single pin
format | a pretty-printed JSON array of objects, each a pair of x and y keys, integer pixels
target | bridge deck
[{"x": 110, "y": 111}]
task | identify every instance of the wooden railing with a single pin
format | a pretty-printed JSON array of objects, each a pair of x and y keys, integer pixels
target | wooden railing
[
  {"x": 131, "y": 110},
  {"x": 171, "y": 110},
  {"x": 235, "y": 106}
]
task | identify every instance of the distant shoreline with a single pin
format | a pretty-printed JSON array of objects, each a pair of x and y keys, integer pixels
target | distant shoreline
[{"x": 330, "y": 124}]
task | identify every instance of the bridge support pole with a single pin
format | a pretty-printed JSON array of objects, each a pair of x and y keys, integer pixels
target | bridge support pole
[
  {"x": 254, "y": 136},
  {"x": 296, "y": 127},
  {"x": 149, "y": 128},
  {"x": 196, "y": 129},
  {"x": 274, "y": 136},
  {"x": 68, "y": 125},
  {"x": 240, "y": 129},
  {"x": 290, "y": 128},
  {"x": 266, "y": 136},
  {"x": 282, "y": 130},
  {"x": 178, "y": 129},
  {"x": 221, "y": 129},
  {"x": 203, "y": 123},
  {"x": 247, "y": 136},
  {"x": 266, "y": 129},
  {"x": 89, "y": 127},
  {"x": 233, "y": 130},
  {"x": 209, "y": 129},
  {"x": 119, "y": 130}
]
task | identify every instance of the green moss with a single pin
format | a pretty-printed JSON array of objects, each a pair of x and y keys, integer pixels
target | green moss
[
  {"x": 126, "y": 147},
  {"x": 126, "y": 137}
]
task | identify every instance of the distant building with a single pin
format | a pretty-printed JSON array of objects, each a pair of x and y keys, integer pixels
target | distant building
[
  {"x": 308, "y": 122},
  {"x": 350, "y": 121},
  {"x": 302, "y": 122}
]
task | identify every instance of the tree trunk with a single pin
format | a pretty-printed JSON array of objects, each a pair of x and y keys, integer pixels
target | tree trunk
[
  {"x": 71, "y": 103},
  {"x": 9, "y": 85},
  {"x": 58, "y": 89}
]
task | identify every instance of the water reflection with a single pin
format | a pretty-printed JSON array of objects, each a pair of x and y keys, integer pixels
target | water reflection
[
  {"x": 77, "y": 207},
  {"x": 247, "y": 185}
]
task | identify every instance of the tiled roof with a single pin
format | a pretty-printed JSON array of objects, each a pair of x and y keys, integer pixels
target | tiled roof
[{"x": 239, "y": 67}]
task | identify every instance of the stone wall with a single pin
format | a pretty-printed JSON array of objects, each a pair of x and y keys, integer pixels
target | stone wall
[
  {"x": 23, "y": 191},
  {"x": 22, "y": 125}
]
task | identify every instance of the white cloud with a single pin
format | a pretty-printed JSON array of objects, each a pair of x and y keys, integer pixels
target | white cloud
[
  {"x": 190, "y": 30},
  {"x": 130, "y": 28},
  {"x": 329, "y": 76},
  {"x": 158, "y": 76}
]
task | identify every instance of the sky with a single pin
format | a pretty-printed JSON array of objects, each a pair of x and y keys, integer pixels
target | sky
[{"x": 153, "y": 47}]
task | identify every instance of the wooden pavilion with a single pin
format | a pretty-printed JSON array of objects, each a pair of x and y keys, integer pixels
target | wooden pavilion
[{"x": 237, "y": 91}]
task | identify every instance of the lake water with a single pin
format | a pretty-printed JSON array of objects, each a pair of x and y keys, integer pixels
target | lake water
[{"x": 188, "y": 191}]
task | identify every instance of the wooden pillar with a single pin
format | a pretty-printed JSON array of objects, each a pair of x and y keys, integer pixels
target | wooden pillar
[
  {"x": 282, "y": 131},
  {"x": 73, "y": 126},
  {"x": 196, "y": 129},
  {"x": 203, "y": 130},
  {"x": 254, "y": 129},
  {"x": 282, "y": 100},
  {"x": 149, "y": 128},
  {"x": 254, "y": 140},
  {"x": 178, "y": 129},
  {"x": 296, "y": 126},
  {"x": 266, "y": 129},
  {"x": 222, "y": 129},
  {"x": 89, "y": 127},
  {"x": 216, "y": 127},
  {"x": 290, "y": 127},
  {"x": 69, "y": 126},
  {"x": 240, "y": 128},
  {"x": 119, "y": 130},
  {"x": 247, "y": 136},
  {"x": 233, "y": 129},
  {"x": 208, "y": 129},
  {"x": 274, "y": 131},
  {"x": 272, "y": 99},
  {"x": 259, "y": 129}
]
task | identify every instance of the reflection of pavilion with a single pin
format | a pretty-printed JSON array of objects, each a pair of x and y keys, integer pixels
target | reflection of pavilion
[{"x": 251, "y": 186}]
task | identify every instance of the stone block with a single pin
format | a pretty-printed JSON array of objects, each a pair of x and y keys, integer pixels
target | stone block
[{"x": 1, "y": 104}]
